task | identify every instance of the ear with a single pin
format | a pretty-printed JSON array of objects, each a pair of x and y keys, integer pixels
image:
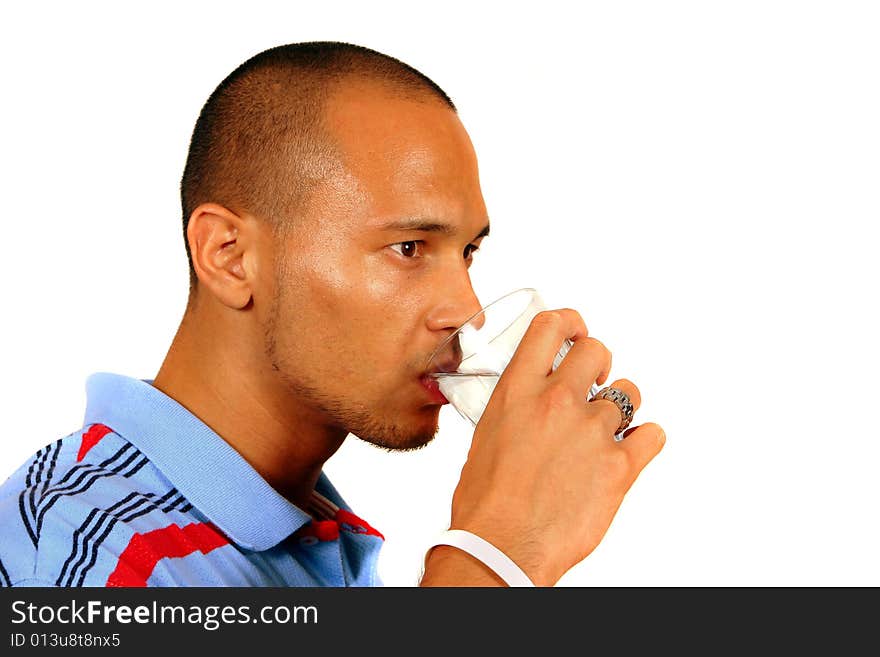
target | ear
[{"x": 223, "y": 253}]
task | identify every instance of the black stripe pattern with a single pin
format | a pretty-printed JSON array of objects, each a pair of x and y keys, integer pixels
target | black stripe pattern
[
  {"x": 38, "y": 472},
  {"x": 25, "y": 500},
  {"x": 41, "y": 493},
  {"x": 80, "y": 478},
  {"x": 88, "y": 538},
  {"x": 4, "y": 576}
]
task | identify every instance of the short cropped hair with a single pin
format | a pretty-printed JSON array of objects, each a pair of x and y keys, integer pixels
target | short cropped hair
[{"x": 259, "y": 144}]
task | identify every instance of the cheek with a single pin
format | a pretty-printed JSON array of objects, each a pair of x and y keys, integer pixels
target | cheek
[
  {"x": 351, "y": 312},
  {"x": 362, "y": 285},
  {"x": 345, "y": 314}
]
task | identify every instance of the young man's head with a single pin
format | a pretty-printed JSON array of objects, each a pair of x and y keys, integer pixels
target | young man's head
[{"x": 331, "y": 207}]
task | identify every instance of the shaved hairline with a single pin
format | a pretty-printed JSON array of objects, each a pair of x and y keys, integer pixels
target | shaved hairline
[{"x": 261, "y": 144}]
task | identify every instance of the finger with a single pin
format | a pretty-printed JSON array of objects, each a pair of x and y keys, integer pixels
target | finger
[
  {"x": 608, "y": 412},
  {"x": 543, "y": 339},
  {"x": 631, "y": 389},
  {"x": 643, "y": 443},
  {"x": 587, "y": 362}
]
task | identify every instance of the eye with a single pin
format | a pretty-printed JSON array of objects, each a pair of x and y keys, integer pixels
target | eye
[
  {"x": 408, "y": 249},
  {"x": 470, "y": 250}
]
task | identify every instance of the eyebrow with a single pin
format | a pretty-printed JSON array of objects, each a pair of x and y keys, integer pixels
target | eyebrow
[{"x": 418, "y": 224}]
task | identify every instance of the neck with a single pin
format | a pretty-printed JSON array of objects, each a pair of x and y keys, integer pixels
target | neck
[{"x": 229, "y": 385}]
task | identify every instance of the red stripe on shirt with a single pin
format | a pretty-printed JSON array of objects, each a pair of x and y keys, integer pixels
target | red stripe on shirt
[
  {"x": 328, "y": 530},
  {"x": 323, "y": 530},
  {"x": 91, "y": 438},
  {"x": 352, "y": 523},
  {"x": 144, "y": 551}
]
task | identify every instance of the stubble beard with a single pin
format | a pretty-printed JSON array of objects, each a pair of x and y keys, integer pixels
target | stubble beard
[{"x": 345, "y": 413}]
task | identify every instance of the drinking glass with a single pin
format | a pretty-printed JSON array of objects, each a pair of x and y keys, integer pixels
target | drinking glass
[{"x": 468, "y": 363}]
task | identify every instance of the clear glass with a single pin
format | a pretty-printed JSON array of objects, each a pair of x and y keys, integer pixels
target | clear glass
[{"x": 468, "y": 364}]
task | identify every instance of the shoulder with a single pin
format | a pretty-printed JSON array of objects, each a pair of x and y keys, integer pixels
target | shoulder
[{"x": 66, "y": 510}]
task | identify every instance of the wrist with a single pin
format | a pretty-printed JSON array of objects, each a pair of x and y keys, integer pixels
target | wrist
[
  {"x": 483, "y": 559},
  {"x": 525, "y": 547},
  {"x": 446, "y": 565}
]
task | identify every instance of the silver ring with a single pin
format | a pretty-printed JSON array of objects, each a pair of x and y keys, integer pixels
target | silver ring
[{"x": 622, "y": 400}]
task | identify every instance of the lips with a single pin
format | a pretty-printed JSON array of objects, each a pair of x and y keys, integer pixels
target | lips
[
  {"x": 432, "y": 387},
  {"x": 446, "y": 358}
]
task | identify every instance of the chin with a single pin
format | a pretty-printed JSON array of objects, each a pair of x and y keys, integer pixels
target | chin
[{"x": 404, "y": 436}]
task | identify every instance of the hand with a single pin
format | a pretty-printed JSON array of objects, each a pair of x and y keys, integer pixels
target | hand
[{"x": 544, "y": 476}]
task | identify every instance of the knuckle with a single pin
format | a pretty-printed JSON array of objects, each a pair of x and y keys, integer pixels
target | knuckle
[
  {"x": 560, "y": 397},
  {"x": 589, "y": 342},
  {"x": 547, "y": 319},
  {"x": 594, "y": 347},
  {"x": 576, "y": 318},
  {"x": 504, "y": 394}
]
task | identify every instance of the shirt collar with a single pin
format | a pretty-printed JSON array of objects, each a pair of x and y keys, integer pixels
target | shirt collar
[{"x": 212, "y": 476}]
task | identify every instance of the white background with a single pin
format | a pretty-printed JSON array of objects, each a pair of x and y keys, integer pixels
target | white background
[{"x": 698, "y": 179}]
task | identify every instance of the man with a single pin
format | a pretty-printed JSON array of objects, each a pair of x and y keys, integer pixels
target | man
[{"x": 331, "y": 209}]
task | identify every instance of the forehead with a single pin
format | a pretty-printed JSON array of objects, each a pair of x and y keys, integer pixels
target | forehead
[
  {"x": 399, "y": 156},
  {"x": 365, "y": 117}
]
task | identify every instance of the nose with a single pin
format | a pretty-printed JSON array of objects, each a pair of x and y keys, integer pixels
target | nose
[{"x": 456, "y": 304}]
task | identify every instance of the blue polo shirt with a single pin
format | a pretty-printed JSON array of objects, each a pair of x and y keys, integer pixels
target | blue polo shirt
[{"x": 146, "y": 494}]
